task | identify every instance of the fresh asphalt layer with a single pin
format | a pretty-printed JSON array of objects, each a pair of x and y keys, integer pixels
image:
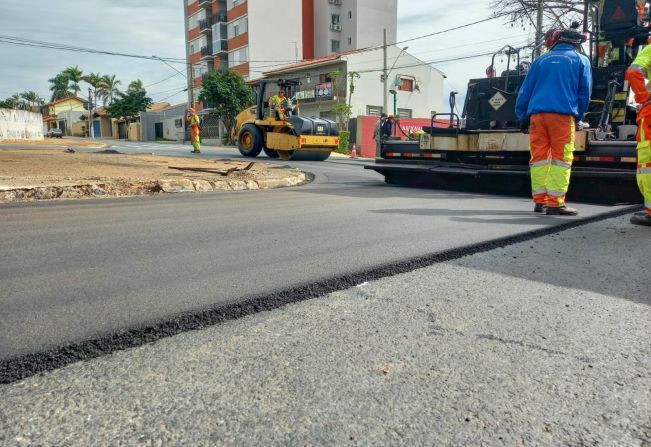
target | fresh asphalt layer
[
  {"x": 76, "y": 271},
  {"x": 541, "y": 343}
]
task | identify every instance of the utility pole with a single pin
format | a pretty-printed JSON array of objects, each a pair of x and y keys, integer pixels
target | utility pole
[
  {"x": 91, "y": 129},
  {"x": 539, "y": 26},
  {"x": 385, "y": 75}
]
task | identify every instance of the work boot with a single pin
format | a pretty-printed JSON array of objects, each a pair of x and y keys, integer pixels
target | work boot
[
  {"x": 539, "y": 208},
  {"x": 641, "y": 218},
  {"x": 196, "y": 151},
  {"x": 561, "y": 211}
]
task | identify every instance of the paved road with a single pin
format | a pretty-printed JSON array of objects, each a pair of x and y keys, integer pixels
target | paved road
[
  {"x": 542, "y": 343},
  {"x": 76, "y": 270}
]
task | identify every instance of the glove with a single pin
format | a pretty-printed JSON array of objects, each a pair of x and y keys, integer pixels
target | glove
[{"x": 524, "y": 125}]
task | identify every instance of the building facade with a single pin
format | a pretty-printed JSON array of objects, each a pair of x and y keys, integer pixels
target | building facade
[
  {"x": 251, "y": 37},
  {"x": 324, "y": 82},
  {"x": 345, "y": 25}
]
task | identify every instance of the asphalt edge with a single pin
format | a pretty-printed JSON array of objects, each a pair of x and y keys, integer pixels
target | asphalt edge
[{"x": 19, "y": 368}]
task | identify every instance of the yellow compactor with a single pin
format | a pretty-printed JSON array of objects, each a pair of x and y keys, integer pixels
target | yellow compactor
[{"x": 294, "y": 137}]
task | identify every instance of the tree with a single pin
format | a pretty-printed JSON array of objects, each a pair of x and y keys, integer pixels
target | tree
[
  {"x": 129, "y": 105},
  {"x": 13, "y": 102},
  {"x": 526, "y": 13},
  {"x": 59, "y": 87},
  {"x": 109, "y": 88},
  {"x": 75, "y": 76},
  {"x": 135, "y": 85},
  {"x": 32, "y": 99},
  {"x": 229, "y": 94}
]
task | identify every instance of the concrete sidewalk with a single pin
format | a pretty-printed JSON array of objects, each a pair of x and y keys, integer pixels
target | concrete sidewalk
[{"x": 545, "y": 342}]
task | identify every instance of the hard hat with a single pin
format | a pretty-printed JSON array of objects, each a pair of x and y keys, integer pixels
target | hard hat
[{"x": 551, "y": 37}]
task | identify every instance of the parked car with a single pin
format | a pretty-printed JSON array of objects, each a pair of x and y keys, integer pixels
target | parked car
[{"x": 54, "y": 133}]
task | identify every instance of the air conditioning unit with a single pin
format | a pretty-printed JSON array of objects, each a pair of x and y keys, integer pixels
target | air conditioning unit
[{"x": 335, "y": 27}]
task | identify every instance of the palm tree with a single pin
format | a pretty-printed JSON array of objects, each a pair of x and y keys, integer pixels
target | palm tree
[
  {"x": 95, "y": 81},
  {"x": 74, "y": 75},
  {"x": 31, "y": 97},
  {"x": 109, "y": 88},
  {"x": 59, "y": 87},
  {"x": 135, "y": 86}
]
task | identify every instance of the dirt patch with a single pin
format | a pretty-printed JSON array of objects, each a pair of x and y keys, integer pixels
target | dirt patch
[
  {"x": 56, "y": 142},
  {"x": 55, "y": 174}
]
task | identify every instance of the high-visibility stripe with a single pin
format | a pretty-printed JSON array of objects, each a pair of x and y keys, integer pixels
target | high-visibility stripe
[
  {"x": 647, "y": 205},
  {"x": 432, "y": 155},
  {"x": 555, "y": 193},
  {"x": 628, "y": 159},
  {"x": 539, "y": 191},
  {"x": 562, "y": 163},
  {"x": 536, "y": 164},
  {"x": 644, "y": 171},
  {"x": 639, "y": 68}
]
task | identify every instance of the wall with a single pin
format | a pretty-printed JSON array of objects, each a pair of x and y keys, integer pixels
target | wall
[
  {"x": 20, "y": 125},
  {"x": 71, "y": 105},
  {"x": 148, "y": 121},
  {"x": 366, "y": 127},
  {"x": 369, "y": 88},
  {"x": 274, "y": 27},
  {"x": 371, "y": 18}
]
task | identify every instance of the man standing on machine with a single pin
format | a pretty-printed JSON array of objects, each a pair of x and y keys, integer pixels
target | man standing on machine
[
  {"x": 554, "y": 95},
  {"x": 636, "y": 75}
]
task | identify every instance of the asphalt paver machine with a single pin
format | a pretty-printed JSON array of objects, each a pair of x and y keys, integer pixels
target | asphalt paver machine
[{"x": 484, "y": 149}]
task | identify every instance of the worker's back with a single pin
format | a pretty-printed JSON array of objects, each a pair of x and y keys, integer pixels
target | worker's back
[{"x": 559, "y": 81}]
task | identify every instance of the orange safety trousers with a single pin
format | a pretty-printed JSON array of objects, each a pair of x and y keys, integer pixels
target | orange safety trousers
[
  {"x": 644, "y": 160},
  {"x": 551, "y": 138}
]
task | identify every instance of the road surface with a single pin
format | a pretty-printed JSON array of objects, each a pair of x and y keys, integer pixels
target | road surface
[{"x": 74, "y": 271}]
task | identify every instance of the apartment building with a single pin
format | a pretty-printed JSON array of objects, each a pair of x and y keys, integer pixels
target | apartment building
[
  {"x": 344, "y": 25},
  {"x": 251, "y": 37}
]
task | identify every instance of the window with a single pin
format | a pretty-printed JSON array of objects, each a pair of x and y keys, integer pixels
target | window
[
  {"x": 350, "y": 41},
  {"x": 374, "y": 110},
  {"x": 404, "y": 113},
  {"x": 335, "y": 45},
  {"x": 178, "y": 123},
  {"x": 239, "y": 56},
  {"x": 197, "y": 44},
  {"x": 334, "y": 19},
  {"x": 407, "y": 85},
  {"x": 350, "y": 14},
  {"x": 233, "y": 3},
  {"x": 325, "y": 78},
  {"x": 239, "y": 26},
  {"x": 193, "y": 20}
]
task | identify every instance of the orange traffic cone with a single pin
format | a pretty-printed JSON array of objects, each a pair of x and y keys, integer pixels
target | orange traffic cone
[{"x": 354, "y": 152}]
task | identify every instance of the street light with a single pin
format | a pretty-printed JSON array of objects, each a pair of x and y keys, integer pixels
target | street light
[
  {"x": 395, "y": 102},
  {"x": 396, "y": 61}
]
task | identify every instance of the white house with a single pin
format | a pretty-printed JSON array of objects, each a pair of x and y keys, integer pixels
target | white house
[{"x": 324, "y": 82}]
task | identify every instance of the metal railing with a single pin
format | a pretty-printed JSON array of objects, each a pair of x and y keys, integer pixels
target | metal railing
[{"x": 206, "y": 51}]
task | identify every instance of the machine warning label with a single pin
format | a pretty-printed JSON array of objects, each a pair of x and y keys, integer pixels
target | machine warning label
[{"x": 497, "y": 101}]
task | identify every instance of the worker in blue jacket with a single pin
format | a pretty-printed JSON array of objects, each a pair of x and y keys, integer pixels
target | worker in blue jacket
[{"x": 555, "y": 94}]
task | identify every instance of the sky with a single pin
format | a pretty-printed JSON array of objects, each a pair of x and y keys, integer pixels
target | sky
[{"x": 155, "y": 27}]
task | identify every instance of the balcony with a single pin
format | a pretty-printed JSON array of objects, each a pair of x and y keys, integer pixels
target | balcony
[
  {"x": 219, "y": 46},
  {"x": 206, "y": 52},
  {"x": 335, "y": 27},
  {"x": 220, "y": 17},
  {"x": 205, "y": 3},
  {"x": 205, "y": 26}
]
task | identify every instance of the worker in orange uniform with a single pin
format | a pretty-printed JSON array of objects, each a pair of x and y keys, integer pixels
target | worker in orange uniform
[
  {"x": 636, "y": 75},
  {"x": 554, "y": 95},
  {"x": 195, "y": 128}
]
